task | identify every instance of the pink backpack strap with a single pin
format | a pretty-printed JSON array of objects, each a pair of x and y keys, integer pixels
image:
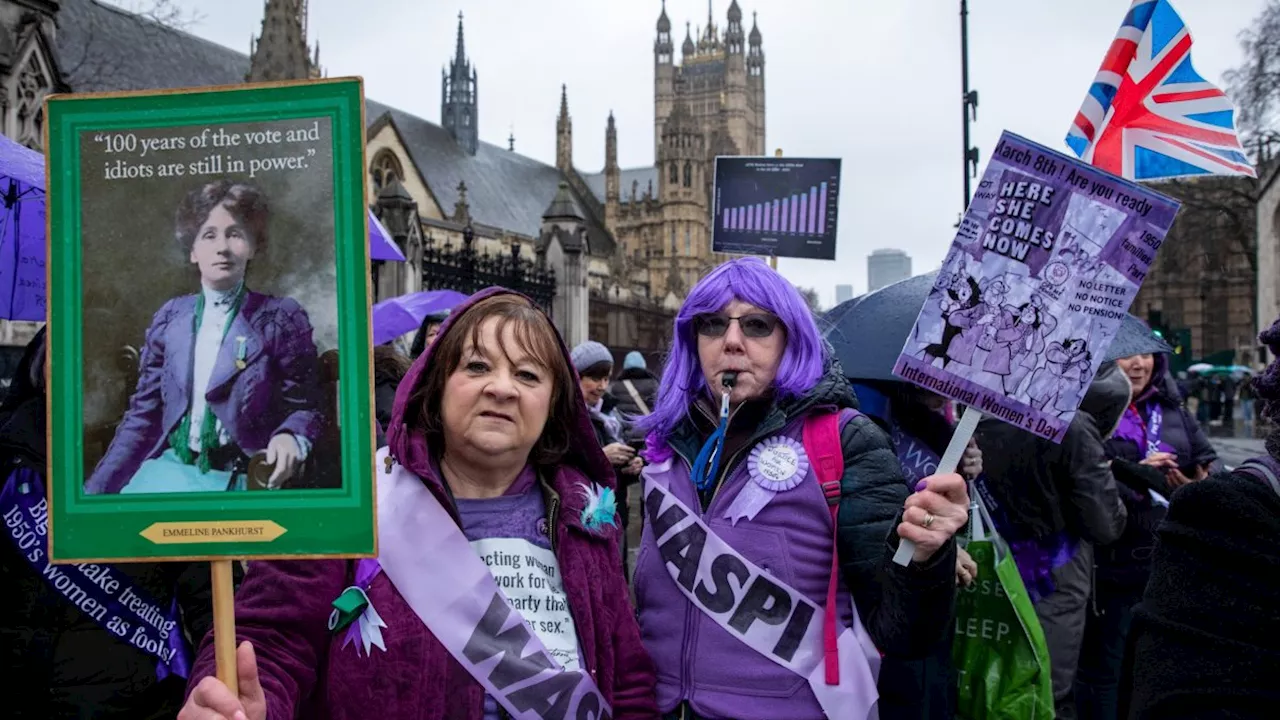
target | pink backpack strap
[{"x": 822, "y": 445}]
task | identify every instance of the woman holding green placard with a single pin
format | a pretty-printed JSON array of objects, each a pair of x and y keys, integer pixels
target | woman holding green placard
[
  {"x": 226, "y": 373},
  {"x": 497, "y": 590}
]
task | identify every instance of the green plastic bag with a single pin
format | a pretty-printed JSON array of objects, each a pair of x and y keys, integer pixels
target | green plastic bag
[{"x": 999, "y": 652}]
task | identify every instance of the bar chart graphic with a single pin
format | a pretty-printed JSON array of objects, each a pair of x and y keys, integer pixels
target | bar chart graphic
[{"x": 776, "y": 206}]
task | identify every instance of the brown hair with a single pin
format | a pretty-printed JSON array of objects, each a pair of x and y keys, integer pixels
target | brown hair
[
  {"x": 535, "y": 336},
  {"x": 389, "y": 364},
  {"x": 245, "y": 202}
]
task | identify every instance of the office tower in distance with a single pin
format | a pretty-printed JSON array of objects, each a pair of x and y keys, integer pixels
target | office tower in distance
[
  {"x": 886, "y": 267},
  {"x": 843, "y": 292}
]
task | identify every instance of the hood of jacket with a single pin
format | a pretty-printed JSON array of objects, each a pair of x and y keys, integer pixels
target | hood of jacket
[
  {"x": 637, "y": 374},
  {"x": 1162, "y": 387},
  {"x": 408, "y": 444},
  {"x": 1108, "y": 396}
]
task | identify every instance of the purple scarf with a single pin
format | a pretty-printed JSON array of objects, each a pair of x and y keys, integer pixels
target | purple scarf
[{"x": 1036, "y": 558}]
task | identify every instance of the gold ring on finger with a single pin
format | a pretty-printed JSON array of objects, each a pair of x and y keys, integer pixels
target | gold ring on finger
[{"x": 928, "y": 519}]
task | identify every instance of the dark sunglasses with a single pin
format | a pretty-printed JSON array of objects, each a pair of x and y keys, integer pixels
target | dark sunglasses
[{"x": 753, "y": 325}]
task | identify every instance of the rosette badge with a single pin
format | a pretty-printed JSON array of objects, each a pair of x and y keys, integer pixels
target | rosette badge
[{"x": 776, "y": 465}]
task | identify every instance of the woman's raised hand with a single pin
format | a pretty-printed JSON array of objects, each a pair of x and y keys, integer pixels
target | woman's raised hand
[
  {"x": 934, "y": 513},
  {"x": 213, "y": 700}
]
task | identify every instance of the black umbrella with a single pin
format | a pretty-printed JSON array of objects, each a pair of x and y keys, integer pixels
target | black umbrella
[
  {"x": 867, "y": 333},
  {"x": 1135, "y": 338},
  {"x": 831, "y": 318}
]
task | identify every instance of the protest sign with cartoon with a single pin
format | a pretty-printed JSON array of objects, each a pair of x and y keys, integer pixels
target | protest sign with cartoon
[{"x": 1048, "y": 259}]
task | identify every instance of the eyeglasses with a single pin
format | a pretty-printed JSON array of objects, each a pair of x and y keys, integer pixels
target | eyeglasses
[{"x": 753, "y": 325}]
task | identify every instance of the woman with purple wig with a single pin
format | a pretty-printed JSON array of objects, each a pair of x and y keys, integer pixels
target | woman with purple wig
[
  {"x": 765, "y": 582},
  {"x": 1205, "y": 639}
]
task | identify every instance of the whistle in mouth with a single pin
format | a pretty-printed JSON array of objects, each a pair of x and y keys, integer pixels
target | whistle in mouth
[{"x": 729, "y": 379}]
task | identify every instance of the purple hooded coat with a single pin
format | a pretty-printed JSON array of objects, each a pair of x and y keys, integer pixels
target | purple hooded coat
[
  {"x": 276, "y": 391},
  {"x": 283, "y": 608}
]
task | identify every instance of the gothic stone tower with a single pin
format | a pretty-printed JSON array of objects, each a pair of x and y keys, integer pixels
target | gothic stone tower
[
  {"x": 711, "y": 104},
  {"x": 716, "y": 68},
  {"x": 459, "y": 98},
  {"x": 280, "y": 52}
]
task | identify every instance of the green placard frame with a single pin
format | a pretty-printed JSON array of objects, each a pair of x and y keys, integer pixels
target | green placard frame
[{"x": 317, "y": 523}]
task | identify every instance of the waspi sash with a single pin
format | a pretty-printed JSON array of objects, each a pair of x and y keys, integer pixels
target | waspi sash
[
  {"x": 433, "y": 567},
  {"x": 98, "y": 590},
  {"x": 768, "y": 616}
]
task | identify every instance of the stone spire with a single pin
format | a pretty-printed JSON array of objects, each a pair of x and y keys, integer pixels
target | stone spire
[
  {"x": 755, "y": 52},
  {"x": 662, "y": 47},
  {"x": 612, "y": 175},
  {"x": 280, "y": 51},
  {"x": 733, "y": 34},
  {"x": 459, "y": 98},
  {"x": 610, "y": 144},
  {"x": 564, "y": 134}
]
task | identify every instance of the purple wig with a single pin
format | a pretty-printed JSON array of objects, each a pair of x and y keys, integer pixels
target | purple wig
[
  {"x": 751, "y": 281},
  {"x": 1267, "y": 387}
]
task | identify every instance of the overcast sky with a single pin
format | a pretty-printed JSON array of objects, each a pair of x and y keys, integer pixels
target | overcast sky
[{"x": 875, "y": 83}]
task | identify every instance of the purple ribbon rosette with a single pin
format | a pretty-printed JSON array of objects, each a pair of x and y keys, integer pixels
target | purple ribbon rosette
[{"x": 776, "y": 465}]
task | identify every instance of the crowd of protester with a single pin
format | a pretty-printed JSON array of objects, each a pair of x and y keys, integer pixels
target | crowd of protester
[{"x": 1152, "y": 569}]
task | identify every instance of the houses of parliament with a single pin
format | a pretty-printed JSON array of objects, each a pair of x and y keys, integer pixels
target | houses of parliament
[
  {"x": 711, "y": 103},
  {"x": 638, "y": 238}
]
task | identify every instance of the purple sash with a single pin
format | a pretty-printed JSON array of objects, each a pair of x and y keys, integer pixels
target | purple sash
[
  {"x": 113, "y": 602},
  {"x": 1146, "y": 435},
  {"x": 917, "y": 460},
  {"x": 434, "y": 568},
  {"x": 769, "y": 617}
]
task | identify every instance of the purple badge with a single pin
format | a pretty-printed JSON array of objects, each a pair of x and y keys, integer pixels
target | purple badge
[{"x": 775, "y": 465}]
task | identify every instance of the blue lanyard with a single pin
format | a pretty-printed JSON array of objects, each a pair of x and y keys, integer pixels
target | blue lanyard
[{"x": 712, "y": 450}]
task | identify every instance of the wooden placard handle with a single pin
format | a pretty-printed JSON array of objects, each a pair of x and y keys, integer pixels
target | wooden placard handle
[{"x": 224, "y": 624}]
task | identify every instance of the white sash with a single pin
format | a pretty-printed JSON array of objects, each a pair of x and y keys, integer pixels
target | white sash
[
  {"x": 768, "y": 616},
  {"x": 433, "y": 567}
]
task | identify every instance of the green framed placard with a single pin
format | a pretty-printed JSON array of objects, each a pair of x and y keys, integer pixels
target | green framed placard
[{"x": 209, "y": 347}]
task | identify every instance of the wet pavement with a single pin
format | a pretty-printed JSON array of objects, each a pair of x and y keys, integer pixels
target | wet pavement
[
  {"x": 1239, "y": 442},
  {"x": 1234, "y": 451}
]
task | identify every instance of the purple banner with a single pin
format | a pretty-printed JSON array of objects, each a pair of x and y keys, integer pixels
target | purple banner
[
  {"x": 1049, "y": 256},
  {"x": 917, "y": 460},
  {"x": 99, "y": 591}
]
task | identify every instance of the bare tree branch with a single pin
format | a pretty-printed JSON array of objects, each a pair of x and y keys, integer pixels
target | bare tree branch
[
  {"x": 96, "y": 65},
  {"x": 1255, "y": 85},
  {"x": 167, "y": 13}
]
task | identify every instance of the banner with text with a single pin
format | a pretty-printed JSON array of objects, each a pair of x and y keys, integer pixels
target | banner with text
[{"x": 1047, "y": 260}]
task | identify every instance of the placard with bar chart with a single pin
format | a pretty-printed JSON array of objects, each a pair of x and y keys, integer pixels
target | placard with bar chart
[{"x": 776, "y": 206}]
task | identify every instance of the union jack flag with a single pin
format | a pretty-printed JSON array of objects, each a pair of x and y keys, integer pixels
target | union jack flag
[{"x": 1149, "y": 115}]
